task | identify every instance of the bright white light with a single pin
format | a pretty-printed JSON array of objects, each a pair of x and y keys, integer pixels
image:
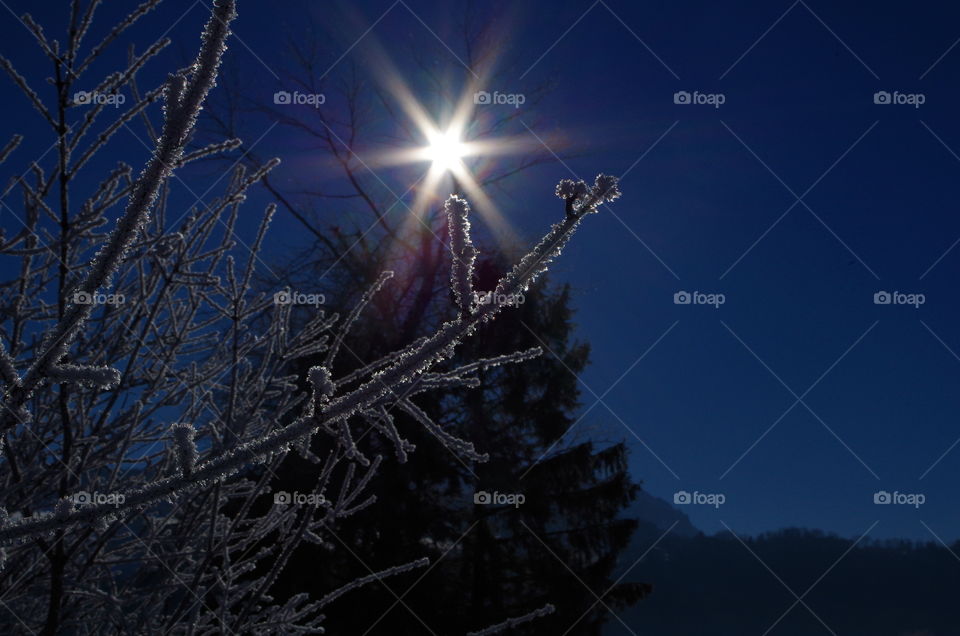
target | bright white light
[{"x": 445, "y": 150}]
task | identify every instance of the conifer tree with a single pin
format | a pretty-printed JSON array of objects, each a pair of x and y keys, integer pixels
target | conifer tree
[{"x": 506, "y": 560}]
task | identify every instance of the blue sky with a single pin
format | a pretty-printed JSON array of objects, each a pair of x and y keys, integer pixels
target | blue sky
[{"x": 798, "y": 199}]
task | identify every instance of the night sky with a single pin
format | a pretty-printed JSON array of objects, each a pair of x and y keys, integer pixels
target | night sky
[{"x": 798, "y": 199}]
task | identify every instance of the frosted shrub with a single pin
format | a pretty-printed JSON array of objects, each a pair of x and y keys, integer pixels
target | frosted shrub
[{"x": 140, "y": 435}]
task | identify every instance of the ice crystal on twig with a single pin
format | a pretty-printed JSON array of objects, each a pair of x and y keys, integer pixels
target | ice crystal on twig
[
  {"x": 184, "y": 447},
  {"x": 100, "y": 377},
  {"x": 513, "y": 622},
  {"x": 463, "y": 253}
]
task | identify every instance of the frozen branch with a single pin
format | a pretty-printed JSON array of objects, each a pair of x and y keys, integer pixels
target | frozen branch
[
  {"x": 463, "y": 253},
  {"x": 408, "y": 367},
  {"x": 513, "y": 622},
  {"x": 376, "y": 576},
  {"x": 181, "y": 118}
]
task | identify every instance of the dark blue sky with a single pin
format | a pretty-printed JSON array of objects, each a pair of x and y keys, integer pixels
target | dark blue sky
[{"x": 710, "y": 204}]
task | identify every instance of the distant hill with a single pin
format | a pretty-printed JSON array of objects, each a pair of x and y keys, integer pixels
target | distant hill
[{"x": 715, "y": 586}]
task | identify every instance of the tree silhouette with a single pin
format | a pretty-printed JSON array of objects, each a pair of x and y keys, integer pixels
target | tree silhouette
[{"x": 508, "y": 560}]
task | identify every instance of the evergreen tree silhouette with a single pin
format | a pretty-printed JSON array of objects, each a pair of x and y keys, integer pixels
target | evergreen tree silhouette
[{"x": 491, "y": 560}]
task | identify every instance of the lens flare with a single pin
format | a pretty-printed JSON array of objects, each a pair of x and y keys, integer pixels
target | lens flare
[{"x": 459, "y": 146}]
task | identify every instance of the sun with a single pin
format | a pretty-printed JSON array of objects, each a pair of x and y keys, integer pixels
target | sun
[
  {"x": 458, "y": 150},
  {"x": 445, "y": 150}
]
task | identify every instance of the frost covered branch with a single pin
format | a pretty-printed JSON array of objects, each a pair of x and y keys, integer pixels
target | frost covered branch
[
  {"x": 513, "y": 622},
  {"x": 150, "y": 391},
  {"x": 184, "y": 100},
  {"x": 374, "y": 392}
]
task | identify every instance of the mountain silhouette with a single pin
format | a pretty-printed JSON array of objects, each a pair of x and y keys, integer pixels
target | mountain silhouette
[{"x": 717, "y": 585}]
